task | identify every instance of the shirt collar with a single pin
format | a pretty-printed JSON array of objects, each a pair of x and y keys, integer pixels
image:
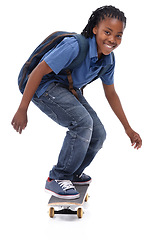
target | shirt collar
[{"x": 105, "y": 60}]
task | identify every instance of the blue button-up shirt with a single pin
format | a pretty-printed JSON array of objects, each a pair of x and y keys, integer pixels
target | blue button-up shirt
[{"x": 61, "y": 57}]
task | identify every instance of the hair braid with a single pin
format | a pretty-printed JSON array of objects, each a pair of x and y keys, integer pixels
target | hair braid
[{"x": 98, "y": 15}]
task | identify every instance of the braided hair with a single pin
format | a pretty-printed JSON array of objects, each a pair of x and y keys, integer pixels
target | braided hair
[{"x": 100, "y": 14}]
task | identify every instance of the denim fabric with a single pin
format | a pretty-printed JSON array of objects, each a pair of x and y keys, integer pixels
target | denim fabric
[{"x": 85, "y": 135}]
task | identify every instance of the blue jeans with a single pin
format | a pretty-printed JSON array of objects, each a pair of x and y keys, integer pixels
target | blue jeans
[{"x": 85, "y": 135}]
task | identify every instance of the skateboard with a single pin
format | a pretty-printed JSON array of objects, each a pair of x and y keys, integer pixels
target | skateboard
[{"x": 63, "y": 206}]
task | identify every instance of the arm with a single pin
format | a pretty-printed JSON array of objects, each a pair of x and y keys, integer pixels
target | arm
[
  {"x": 19, "y": 121},
  {"x": 116, "y": 106}
]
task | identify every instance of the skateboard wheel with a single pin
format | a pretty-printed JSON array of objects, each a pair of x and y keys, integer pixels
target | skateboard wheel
[
  {"x": 80, "y": 212},
  {"x": 86, "y": 199},
  {"x": 51, "y": 212}
]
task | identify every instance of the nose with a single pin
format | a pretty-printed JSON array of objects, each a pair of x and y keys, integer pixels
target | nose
[{"x": 112, "y": 39}]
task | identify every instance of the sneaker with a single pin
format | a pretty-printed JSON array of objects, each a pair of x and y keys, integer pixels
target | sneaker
[
  {"x": 61, "y": 189},
  {"x": 83, "y": 179}
]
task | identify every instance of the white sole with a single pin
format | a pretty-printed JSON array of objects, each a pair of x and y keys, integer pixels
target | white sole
[
  {"x": 82, "y": 183},
  {"x": 68, "y": 197}
]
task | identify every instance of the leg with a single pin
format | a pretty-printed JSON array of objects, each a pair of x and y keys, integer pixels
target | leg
[
  {"x": 97, "y": 139},
  {"x": 60, "y": 105}
]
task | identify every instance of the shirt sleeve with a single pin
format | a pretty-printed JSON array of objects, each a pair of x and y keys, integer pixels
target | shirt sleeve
[
  {"x": 108, "y": 77},
  {"x": 62, "y": 56}
]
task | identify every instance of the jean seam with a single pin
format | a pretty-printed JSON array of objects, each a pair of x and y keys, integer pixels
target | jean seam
[{"x": 67, "y": 165}]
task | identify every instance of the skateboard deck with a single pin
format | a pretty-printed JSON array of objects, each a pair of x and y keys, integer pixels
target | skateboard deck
[{"x": 65, "y": 206}]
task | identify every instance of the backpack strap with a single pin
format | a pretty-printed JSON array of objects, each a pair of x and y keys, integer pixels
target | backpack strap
[
  {"x": 71, "y": 89},
  {"x": 83, "y": 49}
]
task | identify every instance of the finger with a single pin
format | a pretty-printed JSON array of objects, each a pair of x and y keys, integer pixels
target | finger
[
  {"x": 16, "y": 127},
  {"x": 138, "y": 144},
  {"x": 135, "y": 145},
  {"x": 20, "y": 130},
  {"x": 13, "y": 121},
  {"x": 22, "y": 127}
]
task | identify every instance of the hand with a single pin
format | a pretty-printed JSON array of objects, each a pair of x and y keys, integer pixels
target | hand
[
  {"x": 19, "y": 121},
  {"x": 135, "y": 138}
]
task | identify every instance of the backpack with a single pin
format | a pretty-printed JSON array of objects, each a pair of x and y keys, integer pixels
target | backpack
[{"x": 50, "y": 42}]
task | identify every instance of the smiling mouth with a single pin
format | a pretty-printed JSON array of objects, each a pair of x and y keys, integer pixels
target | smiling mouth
[{"x": 109, "y": 46}]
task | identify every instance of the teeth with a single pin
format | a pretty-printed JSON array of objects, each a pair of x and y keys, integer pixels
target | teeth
[{"x": 109, "y": 46}]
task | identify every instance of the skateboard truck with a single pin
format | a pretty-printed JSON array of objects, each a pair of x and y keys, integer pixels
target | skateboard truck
[{"x": 68, "y": 211}]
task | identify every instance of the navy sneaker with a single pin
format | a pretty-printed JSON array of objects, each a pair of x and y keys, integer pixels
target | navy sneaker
[
  {"x": 61, "y": 189},
  {"x": 83, "y": 179}
]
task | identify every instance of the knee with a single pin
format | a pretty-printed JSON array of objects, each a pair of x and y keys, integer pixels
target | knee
[
  {"x": 83, "y": 128},
  {"x": 101, "y": 134},
  {"x": 104, "y": 134},
  {"x": 98, "y": 137}
]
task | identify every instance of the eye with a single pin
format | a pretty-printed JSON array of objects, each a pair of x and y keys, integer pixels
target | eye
[
  {"x": 107, "y": 33},
  {"x": 119, "y": 36}
]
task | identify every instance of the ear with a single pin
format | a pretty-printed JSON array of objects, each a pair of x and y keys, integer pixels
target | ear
[{"x": 95, "y": 30}]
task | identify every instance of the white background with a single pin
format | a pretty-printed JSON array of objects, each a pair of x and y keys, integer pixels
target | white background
[{"x": 125, "y": 193}]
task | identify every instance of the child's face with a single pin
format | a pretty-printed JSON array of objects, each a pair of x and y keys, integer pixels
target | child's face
[{"x": 108, "y": 35}]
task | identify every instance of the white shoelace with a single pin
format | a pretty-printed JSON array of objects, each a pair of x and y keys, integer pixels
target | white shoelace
[{"x": 65, "y": 184}]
